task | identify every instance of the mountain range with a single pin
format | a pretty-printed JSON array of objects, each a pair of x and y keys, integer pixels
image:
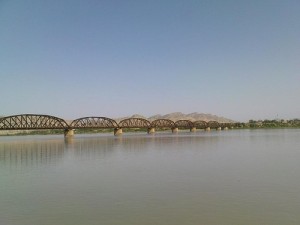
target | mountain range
[{"x": 181, "y": 116}]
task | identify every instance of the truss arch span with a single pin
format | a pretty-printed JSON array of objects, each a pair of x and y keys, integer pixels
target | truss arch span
[
  {"x": 94, "y": 122},
  {"x": 134, "y": 123},
  {"x": 184, "y": 124},
  {"x": 213, "y": 124},
  {"x": 32, "y": 121},
  {"x": 162, "y": 123},
  {"x": 200, "y": 124}
]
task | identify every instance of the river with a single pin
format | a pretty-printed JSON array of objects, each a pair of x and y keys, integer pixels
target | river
[{"x": 234, "y": 177}]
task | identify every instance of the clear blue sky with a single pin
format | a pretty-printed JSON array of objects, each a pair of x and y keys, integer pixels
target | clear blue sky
[{"x": 72, "y": 58}]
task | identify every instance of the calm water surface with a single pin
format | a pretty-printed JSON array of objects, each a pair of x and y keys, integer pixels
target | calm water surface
[{"x": 228, "y": 177}]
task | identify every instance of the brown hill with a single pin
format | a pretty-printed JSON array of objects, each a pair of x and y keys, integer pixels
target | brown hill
[{"x": 181, "y": 116}]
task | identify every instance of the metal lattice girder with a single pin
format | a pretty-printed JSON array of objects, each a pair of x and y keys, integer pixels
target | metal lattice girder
[
  {"x": 35, "y": 121},
  {"x": 213, "y": 124},
  {"x": 200, "y": 124},
  {"x": 134, "y": 123},
  {"x": 94, "y": 122},
  {"x": 184, "y": 124},
  {"x": 31, "y": 122},
  {"x": 162, "y": 123}
]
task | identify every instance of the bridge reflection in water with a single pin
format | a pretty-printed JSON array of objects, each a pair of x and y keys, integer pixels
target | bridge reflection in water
[
  {"x": 31, "y": 153},
  {"x": 20, "y": 152},
  {"x": 46, "y": 122}
]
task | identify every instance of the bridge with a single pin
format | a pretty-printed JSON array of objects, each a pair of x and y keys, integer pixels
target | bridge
[{"x": 47, "y": 122}]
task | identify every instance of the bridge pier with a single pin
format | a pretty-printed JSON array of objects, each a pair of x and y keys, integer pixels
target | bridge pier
[
  {"x": 219, "y": 128},
  {"x": 151, "y": 130},
  {"x": 69, "y": 132},
  {"x": 175, "y": 130},
  {"x": 207, "y": 129},
  {"x": 193, "y": 129},
  {"x": 225, "y": 128},
  {"x": 118, "y": 131}
]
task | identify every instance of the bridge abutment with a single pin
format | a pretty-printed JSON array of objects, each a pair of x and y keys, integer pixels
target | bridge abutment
[
  {"x": 151, "y": 130},
  {"x": 69, "y": 132},
  {"x": 193, "y": 129},
  {"x": 118, "y": 131},
  {"x": 175, "y": 130}
]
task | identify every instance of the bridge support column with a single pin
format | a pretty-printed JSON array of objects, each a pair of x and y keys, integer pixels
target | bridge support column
[
  {"x": 225, "y": 128},
  {"x": 193, "y": 129},
  {"x": 118, "y": 131},
  {"x": 175, "y": 130},
  {"x": 69, "y": 132},
  {"x": 207, "y": 129},
  {"x": 151, "y": 130},
  {"x": 219, "y": 128}
]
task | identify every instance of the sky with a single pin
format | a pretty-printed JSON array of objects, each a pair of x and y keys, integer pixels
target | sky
[{"x": 75, "y": 58}]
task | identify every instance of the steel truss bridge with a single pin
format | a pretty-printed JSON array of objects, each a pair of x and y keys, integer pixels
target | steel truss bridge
[{"x": 47, "y": 122}]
